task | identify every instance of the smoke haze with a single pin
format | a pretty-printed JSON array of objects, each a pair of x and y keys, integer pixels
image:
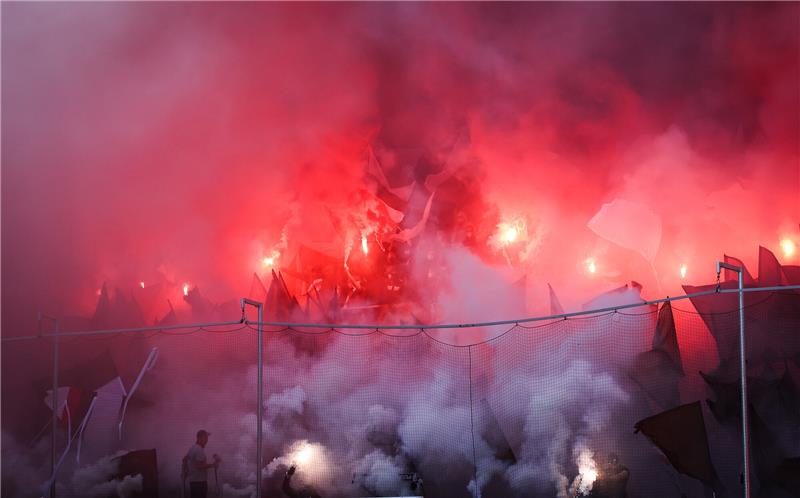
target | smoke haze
[{"x": 397, "y": 162}]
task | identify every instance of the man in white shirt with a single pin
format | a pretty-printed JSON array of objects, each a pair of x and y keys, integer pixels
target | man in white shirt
[{"x": 195, "y": 468}]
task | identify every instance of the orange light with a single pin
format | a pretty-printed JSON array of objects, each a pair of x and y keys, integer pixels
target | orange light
[
  {"x": 364, "y": 245},
  {"x": 683, "y": 271},
  {"x": 591, "y": 266},
  {"x": 141, "y": 284},
  {"x": 185, "y": 289},
  {"x": 789, "y": 247}
]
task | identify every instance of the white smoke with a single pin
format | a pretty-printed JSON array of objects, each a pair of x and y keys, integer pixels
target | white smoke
[{"x": 96, "y": 480}]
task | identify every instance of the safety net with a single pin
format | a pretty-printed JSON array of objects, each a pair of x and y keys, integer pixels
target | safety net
[{"x": 640, "y": 401}]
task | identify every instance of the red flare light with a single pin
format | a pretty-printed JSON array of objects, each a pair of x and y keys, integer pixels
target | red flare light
[{"x": 789, "y": 247}]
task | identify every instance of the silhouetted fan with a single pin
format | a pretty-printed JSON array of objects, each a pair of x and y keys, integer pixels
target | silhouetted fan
[
  {"x": 144, "y": 463},
  {"x": 680, "y": 433}
]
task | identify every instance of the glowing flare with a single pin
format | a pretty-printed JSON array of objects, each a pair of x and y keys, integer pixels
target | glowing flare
[
  {"x": 510, "y": 235},
  {"x": 364, "y": 246},
  {"x": 587, "y": 473},
  {"x": 141, "y": 284},
  {"x": 789, "y": 247},
  {"x": 269, "y": 261},
  {"x": 591, "y": 266},
  {"x": 509, "y": 232},
  {"x": 304, "y": 455},
  {"x": 683, "y": 271},
  {"x": 185, "y": 289}
]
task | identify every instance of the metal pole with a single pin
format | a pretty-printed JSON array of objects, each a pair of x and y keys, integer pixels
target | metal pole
[
  {"x": 54, "y": 400},
  {"x": 260, "y": 382},
  {"x": 743, "y": 373},
  {"x": 743, "y": 376},
  {"x": 259, "y": 432}
]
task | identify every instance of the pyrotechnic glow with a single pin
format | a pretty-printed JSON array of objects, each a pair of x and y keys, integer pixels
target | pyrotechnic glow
[
  {"x": 269, "y": 261},
  {"x": 587, "y": 472},
  {"x": 510, "y": 235},
  {"x": 185, "y": 289},
  {"x": 303, "y": 452},
  {"x": 304, "y": 455},
  {"x": 591, "y": 266},
  {"x": 311, "y": 460},
  {"x": 509, "y": 232},
  {"x": 683, "y": 271},
  {"x": 364, "y": 245},
  {"x": 789, "y": 247},
  {"x": 141, "y": 284}
]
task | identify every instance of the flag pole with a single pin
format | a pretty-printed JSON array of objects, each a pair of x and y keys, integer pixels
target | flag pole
[
  {"x": 260, "y": 395},
  {"x": 742, "y": 373}
]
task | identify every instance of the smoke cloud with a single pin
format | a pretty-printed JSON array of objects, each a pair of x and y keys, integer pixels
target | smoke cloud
[{"x": 399, "y": 163}]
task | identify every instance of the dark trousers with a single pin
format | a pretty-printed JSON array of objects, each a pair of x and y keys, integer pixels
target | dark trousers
[{"x": 198, "y": 489}]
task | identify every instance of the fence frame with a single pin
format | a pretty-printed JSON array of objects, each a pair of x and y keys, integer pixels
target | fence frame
[{"x": 260, "y": 324}]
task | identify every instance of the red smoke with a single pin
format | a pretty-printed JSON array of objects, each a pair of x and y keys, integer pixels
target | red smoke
[{"x": 178, "y": 144}]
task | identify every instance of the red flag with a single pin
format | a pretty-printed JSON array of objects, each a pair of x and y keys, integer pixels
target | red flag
[
  {"x": 555, "y": 304},
  {"x": 680, "y": 433}
]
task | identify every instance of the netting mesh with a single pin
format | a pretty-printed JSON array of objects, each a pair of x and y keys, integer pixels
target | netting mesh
[{"x": 520, "y": 410}]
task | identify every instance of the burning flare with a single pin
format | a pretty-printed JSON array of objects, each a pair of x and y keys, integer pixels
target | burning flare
[
  {"x": 789, "y": 247},
  {"x": 304, "y": 454},
  {"x": 364, "y": 245},
  {"x": 587, "y": 473},
  {"x": 141, "y": 284},
  {"x": 591, "y": 266},
  {"x": 683, "y": 271},
  {"x": 509, "y": 232},
  {"x": 185, "y": 289},
  {"x": 269, "y": 261}
]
